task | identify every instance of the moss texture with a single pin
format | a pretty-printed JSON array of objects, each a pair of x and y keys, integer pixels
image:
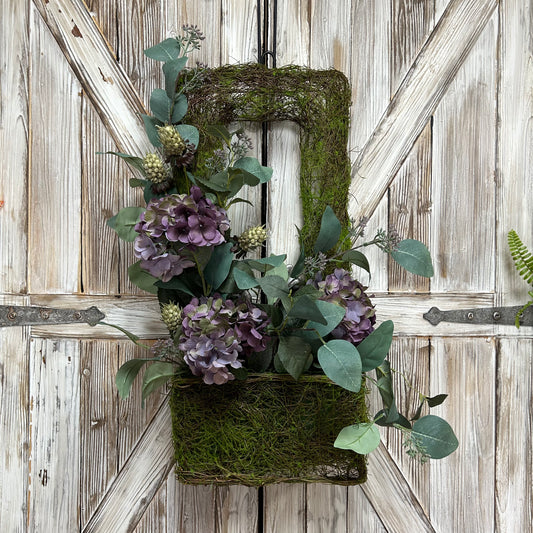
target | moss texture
[
  {"x": 267, "y": 429},
  {"x": 317, "y": 101}
]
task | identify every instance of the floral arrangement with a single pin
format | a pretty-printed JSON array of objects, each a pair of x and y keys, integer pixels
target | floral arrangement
[{"x": 231, "y": 310}]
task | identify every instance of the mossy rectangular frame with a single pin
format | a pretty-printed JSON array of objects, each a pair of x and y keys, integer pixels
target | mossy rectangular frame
[{"x": 318, "y": 101}]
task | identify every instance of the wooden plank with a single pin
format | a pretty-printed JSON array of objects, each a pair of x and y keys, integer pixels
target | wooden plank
[
  {"x": 464, "y": 140},
  {"x": 369, "y": 78},
  {"x": 410, "y": 192},
  {"x": 55, "y": 435},
  {"x": 192, "y": 507},
  {"x": 456, "y": 367},
  {"x": 514, "y": 459},
  {"x": 237, "y": 509},
  {"x": 55, "y": 197},
  {"x": 390, "y": 495},
  {"x": 360, "y": 514},
  {"x": 146, "y": 468},
  {"x": 14, "y": 421},
  {"x": 14, "y": 136},
  {"x": 417, "y": 98},
  {"x": 515, "y": 172},
  {"x": 98, "y": 422},
  {"x": 326, "y": 508},
  {"x": 104, "y": 81},
  {"x": 101, "y": 184},
  {"x": 284, "y": 508},
  {"x": 140, "y": 315}
]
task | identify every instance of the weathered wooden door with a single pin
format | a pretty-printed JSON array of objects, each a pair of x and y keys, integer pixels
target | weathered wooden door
[{"x": 441, "y": 141}]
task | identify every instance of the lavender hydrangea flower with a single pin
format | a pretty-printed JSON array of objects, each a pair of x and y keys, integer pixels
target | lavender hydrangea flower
[
  {"x": 215, "y": 332},
  {"x": 173, "y": 226},
  {"x": 340, "y": 288}
]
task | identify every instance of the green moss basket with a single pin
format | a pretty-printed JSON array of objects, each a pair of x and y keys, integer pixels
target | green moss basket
[{"x": 266, "y": 429}]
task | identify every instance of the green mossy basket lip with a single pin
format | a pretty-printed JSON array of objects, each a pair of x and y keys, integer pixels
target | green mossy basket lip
[{"x": 200, "y": 431}]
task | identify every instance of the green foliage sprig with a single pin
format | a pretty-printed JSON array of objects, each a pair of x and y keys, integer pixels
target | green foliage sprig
[
  {"x": 310, "y": 318},
  {"x": 523, "y": 260}
]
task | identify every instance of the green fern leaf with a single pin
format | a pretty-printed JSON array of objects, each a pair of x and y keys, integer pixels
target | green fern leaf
[{"x": 522, "y": 257}]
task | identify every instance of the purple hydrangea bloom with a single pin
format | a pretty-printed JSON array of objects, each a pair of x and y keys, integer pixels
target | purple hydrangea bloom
[
  {"x": 173, "y": 226},
  {"x": 340, "y": 288},
  {"x": 216, "y": 332}
]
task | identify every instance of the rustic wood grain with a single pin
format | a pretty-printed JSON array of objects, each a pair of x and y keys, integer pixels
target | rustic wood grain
[
  {"x": 514, "y": 459},
  {"x": 369, "y": 78},
  {"x": 237, "y": 509},
  {"x": 462, "y": 484},
  {"x": 285, "y": 508},
  {"x": 515, "y": 171},
  {"x": 416, "y": 99},
  {"x": 14, "y": 421},
  {"x": 14, "y": 135},
  {"x": 463, "y": 182},
  {"x": 55, "y": 186},
  {"x": 54, "y": 501},
  {"x": 361, "y": 516},
  {"x": 326, "y": 508},
  {"x": 98, "y": 422}
]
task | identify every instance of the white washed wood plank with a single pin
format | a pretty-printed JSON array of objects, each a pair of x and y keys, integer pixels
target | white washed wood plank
[
  {"x": 55, "y": 435},
  {"x": 369, "y": 78},
  {"x": 462, "y": 484},
  {"x": 284, "y": 508},
  {"x": 391, "y": 497},
  {"x": 154, "y": 519},
  {"x": 55, "y": 187},
  {"x": 416, "y": 99},
  {"x": 464, "y": 140},
  {"x": 191, "y": 508},
  {"x": 237, "y": 509},
  {"x": 361, "y": 516},
  {"x": 14, "y": 421},
  {"x": 146, "y": 468},
  {"x": 515, "y": 184},
  {"x": 514, "y": 458},
  {"x": 326, "y": 508},
  {"x": 141, "y": 316},
  {"x": 104, "y": 81},
  {"x": 14, "y": 134},
  {"x": 98, "y": 422}
]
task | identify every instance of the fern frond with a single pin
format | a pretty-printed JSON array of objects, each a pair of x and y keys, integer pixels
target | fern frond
[
  {"x": 522, "y": 257},
  {"x": 520, "y": 313}
]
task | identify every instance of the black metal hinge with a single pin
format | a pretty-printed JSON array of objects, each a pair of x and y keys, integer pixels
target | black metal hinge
[
  {"x": 13, "y": 315},
  {"x": 486, "y": 316}
]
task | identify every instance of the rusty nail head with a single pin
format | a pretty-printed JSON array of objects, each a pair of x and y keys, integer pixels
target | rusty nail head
[
  {"x": 77, "y": 315},
  {"x": 45, "y": 314},
  {"x": 11, "y": 315}
]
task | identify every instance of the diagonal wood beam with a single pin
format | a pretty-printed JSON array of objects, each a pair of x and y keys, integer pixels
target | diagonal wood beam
[
  {"x": 104, "y": 81},
  {"x": 416, "y": 100},
  {"x": 146, "y": 468},
  {"x": 387, "y": 490}
]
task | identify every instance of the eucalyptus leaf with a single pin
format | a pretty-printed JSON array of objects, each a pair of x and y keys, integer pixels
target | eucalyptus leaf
[
  {"x": 299, "y": 266},
  {"x": 374, "y": 348},
  {"x": 219, "y": 265},
  {"x": 332, "y": 313},
  {"x": 133, "y": 161},
  {"x": 171, "y": 69},
  {"x": 189, "y": 133},
  {"x": 219, "y": 131},
  {"x": 384, "y": 385},
  {"x": 156, "y": 376},
  {"x": 150, "y": 126},
  {"x": 361, "y": 438},
  {"x": 330, "y": 231},
  {"x": 244, "y": 280},
  {"x": 135, "y": 182},
  {"x": 126, "y": 375},
  {"x": 274, "y": 286},
  {"x": 341, "y": 362},
  {"x": 436, "y": 400},
  {"x": 212, "y": 184},
  {"x": 435, "y": 436},
  {"x": 414, "y": 257},
  {"x": 177, "y": 284},
  {"x": 307, "y": 309},
  {"x": 252, "y": 166},
  {"x": 164, "y": 51},
  {"x": 357, "y": 258},
  {"x": 125, "y": 221},
  {"x": 295, "y": 355},
  {"x": 260, "y": 361},
  {"x": 281, "y": 271},
  {"x": 266, "y": 263},
  {"x": 160, "y": 105},
  {"x": 180, "y": 109},
  {"x": 240, "y": 373},
  {"x": 384, "y": 418},
  {"x": 141, "y": 278}
]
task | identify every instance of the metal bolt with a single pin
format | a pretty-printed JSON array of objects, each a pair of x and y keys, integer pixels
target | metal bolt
[
  {"x": 496, "y": 316},
  {"x": 45, "y": 314},
  {"x": 11, "y": 315},
  {"x": 470, "y": 316},
  {"x": 77, "y": 315}
]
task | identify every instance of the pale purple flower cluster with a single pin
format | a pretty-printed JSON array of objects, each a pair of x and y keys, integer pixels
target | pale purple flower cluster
[
  {"x": 340, "y": 288},
  {"x": 215, "y": 333},
  {"x": 174, "y": 225}
]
